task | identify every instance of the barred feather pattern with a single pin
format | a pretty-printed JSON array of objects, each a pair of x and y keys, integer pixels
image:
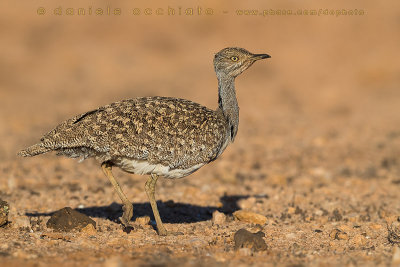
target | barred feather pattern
[{"x": 171, "y": 132}]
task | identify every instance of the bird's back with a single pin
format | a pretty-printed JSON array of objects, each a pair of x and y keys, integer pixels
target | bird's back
[{"x": 157, "y": 130}]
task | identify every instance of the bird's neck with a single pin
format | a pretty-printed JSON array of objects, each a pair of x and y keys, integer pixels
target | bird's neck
[{"x": 228, "y": 104}]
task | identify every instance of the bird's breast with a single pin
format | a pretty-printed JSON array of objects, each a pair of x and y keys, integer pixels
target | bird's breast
[{"x": 144, "y": 167}]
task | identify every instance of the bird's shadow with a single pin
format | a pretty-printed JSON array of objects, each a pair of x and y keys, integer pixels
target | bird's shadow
[{"x": 170, "y": 211}]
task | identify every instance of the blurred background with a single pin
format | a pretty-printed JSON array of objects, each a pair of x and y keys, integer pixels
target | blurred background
[{"x": 332, "y": 82}]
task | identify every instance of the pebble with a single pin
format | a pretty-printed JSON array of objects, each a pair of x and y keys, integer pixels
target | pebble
[
  {"x": 4, "y": 209},
  {"x": 250, "y": 217},
  {"x": 394, "y": 232},
  {"x": 218, "y": 218},
  {"x": 247, "y": 203},
  {"x": 89, "y": 229},
  {"x": 145, "y": 220},
  {"x": 359, "y": 240},
  {"x": 246, "y": 239},
  {"x": 338, "y": 234}
]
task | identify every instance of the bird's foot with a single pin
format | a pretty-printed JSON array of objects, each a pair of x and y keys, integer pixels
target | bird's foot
[
  {"x": 126, "y": 215},
  {"x": 128, "y": 229}
]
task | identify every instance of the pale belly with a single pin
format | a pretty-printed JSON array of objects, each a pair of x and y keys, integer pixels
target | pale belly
[{"x": 144, "y": 168}]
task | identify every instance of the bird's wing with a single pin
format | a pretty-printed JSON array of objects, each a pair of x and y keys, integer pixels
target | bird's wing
[{"x": 168, "y": 131}]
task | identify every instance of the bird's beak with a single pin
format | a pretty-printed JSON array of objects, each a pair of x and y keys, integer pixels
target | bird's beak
[{"x": 260, "y": 56}]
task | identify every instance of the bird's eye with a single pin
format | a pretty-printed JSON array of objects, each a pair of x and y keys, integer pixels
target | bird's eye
[{"x": 234, "y": 59}]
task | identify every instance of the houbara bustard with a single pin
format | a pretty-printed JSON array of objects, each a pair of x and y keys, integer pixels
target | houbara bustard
[{"x": 156, "y": 136}]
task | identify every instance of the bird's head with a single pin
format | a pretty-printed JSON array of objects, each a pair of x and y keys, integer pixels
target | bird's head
[{"x": 232, "y": 61}]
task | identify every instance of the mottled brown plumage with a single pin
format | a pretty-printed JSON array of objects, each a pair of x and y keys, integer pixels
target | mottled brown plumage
[
  {"x": 163, "y": 136},
  {"x": 173, "y": 132}
]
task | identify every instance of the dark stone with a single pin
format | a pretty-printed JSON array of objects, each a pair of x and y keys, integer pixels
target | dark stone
[
  {"x": 4, "y": 208},
  {"x": 67, "y": 219},
  {"x": 246, "y": 239}
]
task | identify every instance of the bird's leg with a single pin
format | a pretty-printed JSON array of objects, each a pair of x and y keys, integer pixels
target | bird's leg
[
  {"x": 127, "y": 207},
  {"x": 150, "y": 187}
]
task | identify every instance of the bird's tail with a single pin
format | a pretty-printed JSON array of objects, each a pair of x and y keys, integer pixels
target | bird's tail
[{"x": 34, "y": 150}]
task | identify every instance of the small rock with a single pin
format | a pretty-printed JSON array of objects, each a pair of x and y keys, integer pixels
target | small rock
[
  {"x": 4, "y": 209},
  {"x": 394, "y": 232},
  {"x": 246, "y": 239},
  {"x": 67, "y": 219},
  {"x": 359, "y": 240},
  {"x": 145, "y": 220},
  {"x": 37, "y": 224},
  {"x": 342, "y": 236},
  {"x": 247, "y": 203},
  {"x": 250, "y": 217},
  {"x": 338, "y": 235},
  {"x": 218, "y": 218},
  {"x": 89, "y": 229},
  {"x": 396, "y": 256}
]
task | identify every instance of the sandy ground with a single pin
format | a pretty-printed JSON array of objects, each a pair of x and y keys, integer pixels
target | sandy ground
[{"x": 317, "y": 153}]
